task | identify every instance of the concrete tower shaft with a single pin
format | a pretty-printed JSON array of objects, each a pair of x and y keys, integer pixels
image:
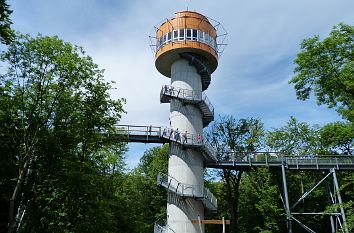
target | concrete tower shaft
[
  {"x": 185, "y": 165},
  {"x": 186, "y": 52}
]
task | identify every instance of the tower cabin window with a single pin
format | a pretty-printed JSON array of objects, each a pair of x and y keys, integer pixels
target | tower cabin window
[
  {"x": 175, "y": 35},
  {"x": 206, "y": 38},
  {"x": 189, "y": 34},
  {"x": 181, "y": 34},
  {"x": 195, "y": 35},
  {"x": 201, "y": 36}
]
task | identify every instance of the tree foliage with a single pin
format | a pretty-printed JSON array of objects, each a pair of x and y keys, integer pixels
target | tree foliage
[
  {"x": 6, "y": 33},
  {"x": 326, "y": 68},
  {"x": 54, "y": 107},
  {"x": 233, "y": 136},
  {"x": 259, "y": 189},
  {"x": 146, "y": 202},
  {"x": 338, "y": 137},
  {"x": 295, "y": 138}
]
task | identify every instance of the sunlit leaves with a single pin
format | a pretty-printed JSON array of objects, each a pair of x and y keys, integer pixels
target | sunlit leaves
[{"x": 326, "y": 69}]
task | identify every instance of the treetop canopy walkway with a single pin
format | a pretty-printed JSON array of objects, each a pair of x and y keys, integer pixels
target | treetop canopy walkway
[{"x": 231, "y": 160}]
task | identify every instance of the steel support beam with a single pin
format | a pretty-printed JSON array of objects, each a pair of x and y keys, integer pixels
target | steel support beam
[
  {"x": 336, "y": 186},
  {"x": 287, "y": 206},
  {"x": 330, "y": 200}
]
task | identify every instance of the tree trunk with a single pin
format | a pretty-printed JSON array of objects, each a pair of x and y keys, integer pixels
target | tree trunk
[
  {"x": 232, "y": 187},
  {"x": 20, "y": 180}
]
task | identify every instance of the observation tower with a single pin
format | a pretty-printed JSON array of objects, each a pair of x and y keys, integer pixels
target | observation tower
[{"x": 186, "y": 51}]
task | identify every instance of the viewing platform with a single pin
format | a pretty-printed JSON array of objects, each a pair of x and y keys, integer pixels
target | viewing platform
[{"x": 197, "y": 98}]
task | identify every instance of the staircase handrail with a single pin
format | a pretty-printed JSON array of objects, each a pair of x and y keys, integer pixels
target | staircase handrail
[
  {"x": 192, "y": 95},
  {"x": 182, "y": 188},
  {"x": 161, "y": 226}
]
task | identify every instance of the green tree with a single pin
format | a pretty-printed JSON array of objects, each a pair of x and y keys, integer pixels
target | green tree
[
  {"x": 218, "y": 189},
  {"x": 338, "y": 137},
  {"x": 326, "y": 68},
  {"x": 347, "y": 192},
  {"x": 259, "y": 189},
  {"x": 234, "y": 137},
  {"x": 6, "y": 33},
  {"x": 295, "y": 138},
  {"x": 54, "y": 107},
  {"x": 300, "y": 139},
  {"x": 145, "y": 201}
]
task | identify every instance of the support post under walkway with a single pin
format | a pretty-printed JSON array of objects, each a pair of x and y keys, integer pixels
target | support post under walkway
[{"x": 286, "y": 198}]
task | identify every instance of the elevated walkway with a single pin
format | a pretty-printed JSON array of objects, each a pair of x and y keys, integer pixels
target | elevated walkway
[
  {"x": 188, "y": 190},
  {"x": 138, "y": 133},
  {"x": 199, "y": 99},
  {"x": 227, "y": 160},
  {"x": 245, "y": 162},
  {"x": 276, "y": 160},
  {"x": 155, "y": 134}
]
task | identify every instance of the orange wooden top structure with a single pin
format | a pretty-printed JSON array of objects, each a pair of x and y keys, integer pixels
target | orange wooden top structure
[{"x": 188, "y": 32}]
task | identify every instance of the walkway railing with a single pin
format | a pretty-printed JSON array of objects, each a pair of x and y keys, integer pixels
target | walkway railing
[
  {"x": 231, "y": 160},
  {"x": 138, "y": 130},
  {"x": 188, "y": 190},
  {"x": 275, "y": 159},
  {"x": 189, "y": 96},
  {"x": 139, "y": 133},
  {"x": 190, "y": 140}
]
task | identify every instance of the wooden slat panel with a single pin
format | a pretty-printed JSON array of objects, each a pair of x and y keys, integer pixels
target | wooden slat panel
[
  {"x": 186, "y": 19},
  {"x": 196, "y": 221}
]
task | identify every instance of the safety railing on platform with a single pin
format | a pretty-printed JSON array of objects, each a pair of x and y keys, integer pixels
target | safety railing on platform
[
  {"x": 320, "y": 160},
  {"x": 138, "y": 130},
  {"x": 191, "y": 140},
  {"x": 187, "y": 190},
  {"x": 182, "y": 137},
  {"x": 184, "y": 190},
  {"x": 190, "y": 95},
  {"x": 276, "y": 157}
]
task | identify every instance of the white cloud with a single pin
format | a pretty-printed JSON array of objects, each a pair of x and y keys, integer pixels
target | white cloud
[{"x": 264, "y": 37}]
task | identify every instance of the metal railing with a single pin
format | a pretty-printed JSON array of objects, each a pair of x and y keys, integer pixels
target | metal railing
[
  {"x": 189, "y": 95},
  {"x": 160, "y": 226},
  {"x": 210, "y": 151},
  {"x": 187, "y": 190},
  {"x": 276, "y": 158},
  {"x": 182, "y": 137},
  {"x": 191, "y": 140},
  {"x": 164, "y": 134},
  {"x": 138, "y": 130}
]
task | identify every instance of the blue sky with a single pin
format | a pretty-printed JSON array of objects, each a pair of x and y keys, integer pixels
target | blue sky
[{"x": 264, "y": 37}]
